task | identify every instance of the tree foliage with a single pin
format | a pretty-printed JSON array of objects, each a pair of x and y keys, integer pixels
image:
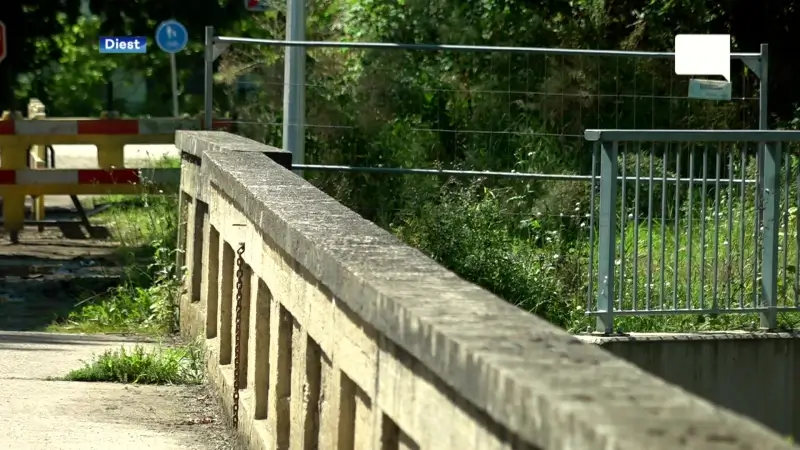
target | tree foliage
[
  {"x": 525, "y": 240},
  {"x": 504, "y": 111},
  {"x": 28, "y": 21},
  {"x": 55, "y": 47}
]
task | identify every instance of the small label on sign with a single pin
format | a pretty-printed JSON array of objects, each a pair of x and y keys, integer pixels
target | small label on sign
[
  {"x": 710, "y": 89},
  {"x": 256, "y": 5}
]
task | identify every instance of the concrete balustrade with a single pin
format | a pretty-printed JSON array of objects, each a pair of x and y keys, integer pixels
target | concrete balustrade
[{"x": 352, "y": 340}]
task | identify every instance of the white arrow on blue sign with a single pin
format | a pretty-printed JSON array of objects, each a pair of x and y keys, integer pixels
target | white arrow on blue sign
[{"x": 171, "y": 36}]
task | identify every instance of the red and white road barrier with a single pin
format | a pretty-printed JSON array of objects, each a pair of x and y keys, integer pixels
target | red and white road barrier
[
  {"x": 72, "y": 127},
  {"x": 86, "y": 176}
]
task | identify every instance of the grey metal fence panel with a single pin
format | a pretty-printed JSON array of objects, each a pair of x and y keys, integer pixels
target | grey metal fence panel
[{"x": 715, "y": 241}]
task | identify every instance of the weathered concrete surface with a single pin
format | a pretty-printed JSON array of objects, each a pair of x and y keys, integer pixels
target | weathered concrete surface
[
  {"x": 755, "y": 374},
  {"x": 352, "y": 339},
  {"x": 38, "y": 414}
]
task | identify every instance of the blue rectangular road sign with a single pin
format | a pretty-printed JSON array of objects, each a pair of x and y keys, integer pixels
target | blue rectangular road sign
[{"x": 125, "y": 44}]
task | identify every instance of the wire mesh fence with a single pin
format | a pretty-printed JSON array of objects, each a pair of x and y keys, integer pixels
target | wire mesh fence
[
  {"x": 482, "y": 107},
  {"x": 477, "y": 154}
]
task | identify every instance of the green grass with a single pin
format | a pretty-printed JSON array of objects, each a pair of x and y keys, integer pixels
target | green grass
[
  {"x": 145, "y": 300},
  {"x": 141, "y": 365},
  {"x": 541, "y": 263},
  {"x": 715, "y": 266},
  {"x": 144, "y": 303}
]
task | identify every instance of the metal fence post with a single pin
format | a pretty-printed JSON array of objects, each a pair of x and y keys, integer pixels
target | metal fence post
[
  {"x": 763, "y": 124},
  {"x": 763, "y": 89},
  {"x": 769, "y": 179},
  {"x": 208, "y": 79},
  {"x": 606, "y": 266},
  {"x": 294, "y": 91},
  {"x": 771, "y": 225}
]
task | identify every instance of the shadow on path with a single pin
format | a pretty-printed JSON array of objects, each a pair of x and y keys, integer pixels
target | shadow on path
[
  {"x": 32, "y": 303},
  {"x": 56, "y": 342}
]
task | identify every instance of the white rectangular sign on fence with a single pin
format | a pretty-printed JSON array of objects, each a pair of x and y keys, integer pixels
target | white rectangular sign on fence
[{"x": 703, "y": 54}]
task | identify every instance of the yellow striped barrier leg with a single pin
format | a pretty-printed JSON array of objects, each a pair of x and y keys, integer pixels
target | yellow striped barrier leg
[
  {"x": 38, "y": 161},
  {"x": 38, "y": 158},
  {"x": 14, "y": 153}
]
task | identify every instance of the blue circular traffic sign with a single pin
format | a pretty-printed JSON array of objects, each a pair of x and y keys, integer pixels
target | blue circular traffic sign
[{"x": 171, "y": 36}]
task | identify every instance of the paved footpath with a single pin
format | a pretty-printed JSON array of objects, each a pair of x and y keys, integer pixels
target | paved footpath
[{"x": 37, "y": 413}]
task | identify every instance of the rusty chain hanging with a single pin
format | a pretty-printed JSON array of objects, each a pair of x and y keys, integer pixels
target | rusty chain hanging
[{"x": 239, "y": 284}]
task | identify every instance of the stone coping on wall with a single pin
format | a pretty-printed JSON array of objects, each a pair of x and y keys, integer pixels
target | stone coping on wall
[{"x": 543, "y": 385}]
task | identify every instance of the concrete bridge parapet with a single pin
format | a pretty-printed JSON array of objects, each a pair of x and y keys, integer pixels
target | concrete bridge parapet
[{"x": 350, "y": 339}]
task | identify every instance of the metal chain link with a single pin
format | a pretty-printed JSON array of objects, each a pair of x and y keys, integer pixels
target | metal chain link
[{"x": 239, "y": 283}]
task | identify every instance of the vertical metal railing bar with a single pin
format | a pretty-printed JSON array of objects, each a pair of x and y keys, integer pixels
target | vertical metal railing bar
[
  {"x": 703, "y": 212},
  {"x": 717, "y": 187},
  {"x": 650, "y": 183},
  {"x": 729, "y": 240},
  {"x": 689, "y": 228},
  {"x": 650, "y": 205},
  {"x": 590, "y": 294},
  {"x": 742, "y": 255},
  {"x": 636, "y": 191},
  {"x": 785, "y": 216},
  {"x": 622, "y": 225},
  {"x": 663, "y": 259},
  {"x": 676, "y": 230},
  {"x": 757, "y": 228}
]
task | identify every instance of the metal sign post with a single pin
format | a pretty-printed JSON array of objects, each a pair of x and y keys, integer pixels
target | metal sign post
[
  {"x": 172, "y": 37},
  {"x": 294, "y": 90},
  {"x": 208, "y": 78},
  {"x": 174, "y": 75}
]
